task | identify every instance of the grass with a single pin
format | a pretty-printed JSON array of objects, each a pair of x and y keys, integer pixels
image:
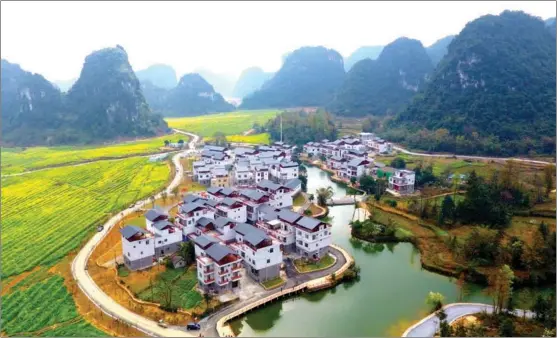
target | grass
[
  {"x": 16, "y": 160},
  {"x": 233, "y": 123},
  {"x": 78, "y": 329},
  {"x": 184, "y": 296},
  {"x": 309, "y": 266},
  {"x": 263, "y": 138},
  {"x": 123, "y": 271},
  {"x": 42, "y": 305},
  {"x": 299, "y": 200},
  {"x": 47, "y": 214},
  {"x": 273, "y": 283}
]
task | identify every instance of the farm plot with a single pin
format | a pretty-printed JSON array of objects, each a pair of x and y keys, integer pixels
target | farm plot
[
  {"x": 47, "y": 214},
  {"x": 44, "y": 304},
  {"x": 263, "y": 138},
  {"x": 233, "y": 123},
  {"x": 15, "y": 160}
]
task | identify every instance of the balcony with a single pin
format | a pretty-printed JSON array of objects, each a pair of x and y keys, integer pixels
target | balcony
[
  {"x": 236, "y": 267},
  {"x": 223, "y": 282},
  {"x": 208, "y": 280},
  {"x": 208, "y": 270},
  {"x": 236, "y": 276},
  {"x": 223, "y": 272}
]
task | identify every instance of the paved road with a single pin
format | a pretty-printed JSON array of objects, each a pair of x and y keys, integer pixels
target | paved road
[
  {"x": 470, "y": 157},
  {"x": 208, "y": 324},
  {"x": 430, "y": 324},
  {"x": 101, "y": 299}
]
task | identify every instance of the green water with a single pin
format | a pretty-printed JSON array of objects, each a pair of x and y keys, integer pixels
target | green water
[{"x": 389, "y": 296}]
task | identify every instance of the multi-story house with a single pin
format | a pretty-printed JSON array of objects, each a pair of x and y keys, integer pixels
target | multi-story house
[
  {"x": 284, "y": 171},
  {"x": 245, "y": 153},
  {"x": 217, "y": 193},
  {"x": 355, "y": 168},
  {"x": 218, "y": 266},
  {"x": 353, "y": 144},
  {"x": 189, "y": 213},
  {"x": 252, "y": 199},
  {"x": 260, "y": 173},
  {"x": 137, "y": 247},
  {"x": 364, "y": 137},
  {"x": 242, "y": 175},
  {"x": 313, "y": 237},
  {"x": 220, "y": 178},
  {"x": 312, "y": 148},
  {"x": 279, "y": 195},
  {"x": 154, "y": 215},
  {"x": 335, "y": 162},
  {"x": 260, "y": 253},
  {"x": 204, "y": 175},
  {"x": 380, "y": 146},
  {"x": 232, "y": 208},
  {"x": 402, "y": 182},
  {"x": 295, "y": 186},
  {"x": 167, "y": 238}
]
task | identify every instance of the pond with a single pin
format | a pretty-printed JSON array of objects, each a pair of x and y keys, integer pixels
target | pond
[{"x": 388, "y": 298}]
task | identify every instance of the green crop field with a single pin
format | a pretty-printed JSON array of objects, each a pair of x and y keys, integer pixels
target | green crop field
[
  {"x": 42, "y": 305},
  {"x": 185, "y": 295},
  {"x": 233, "y": 123},
  {"x": 15, "y": 160},
  {"x": 263, "y": 138},
  {"x": 48, "y": 213}
]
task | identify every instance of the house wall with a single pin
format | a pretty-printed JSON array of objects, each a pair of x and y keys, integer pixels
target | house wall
[
  {"x": 264, "y": 274},
  {"x": 138, "y": 249},
  {"x": 138, "y": 264}
]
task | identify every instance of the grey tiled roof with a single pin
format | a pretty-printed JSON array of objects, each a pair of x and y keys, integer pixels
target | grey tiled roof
[
  {"x": 266, "y": 184},
  {"x": 190, "y": 198},
  {"x": 189, "y": 207},
  {"x": 227, "y": 191},
  {"x": 218, "y": 251},
  {"x": 204, "y": 221},
  {"x": 288, "y": 164},
  {"x": 252, "y": 194},
  {"x": 159, "y": 225},
  {"x": 355, "y": 162},
  {"x": 204, "y": 240},
  {"x": 308, "y": 222},
  {"x": 289, "y": 216},
  {"x": 293, "y": 183},
  {"x": 251, "y": 234},
  {"x": 130, "y": 230},
  {"x": 220, "y": 221},
  {"x": 152, "y": 214},
  {"x": 213, "y": 190},
  {"x": 228, "y": 201}
]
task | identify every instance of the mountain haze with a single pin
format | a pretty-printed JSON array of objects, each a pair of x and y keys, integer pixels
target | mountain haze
[
  {"x": 308, "y": 77},
  {"x": 439, "y": 49},
  {"x": 365, "y": 52},
  {"x": 163, "y": 76},
  {"x": 250, "y": 81},
  {"x": 385, "y": 85}
]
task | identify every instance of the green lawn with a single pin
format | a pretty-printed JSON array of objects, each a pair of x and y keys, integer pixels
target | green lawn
[
  {"x": 299, "y": 200},
  {"x": 233, "y": 123},
  {"x": 308, "y": 266},
  {"x": 184, "y": 294},
  {"x": 273, "y": 283}
]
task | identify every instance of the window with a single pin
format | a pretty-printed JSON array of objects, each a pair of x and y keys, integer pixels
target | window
[
  {"x": 268, "y": 261},
  {"x": 139, "y": 242},
  {"x": 128, "y": 254},
  {"x": 142, "y": 252},
  {"x": 134, "y": 246},
  {"x": 271, "y": 250},
  {"x": 166, "y": 239},
  {"x": 306, "y": 245},
  {"x": 160, "y": 242}
]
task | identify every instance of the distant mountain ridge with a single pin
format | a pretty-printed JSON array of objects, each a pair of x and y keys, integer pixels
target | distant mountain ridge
[
  {"x": 192, "y": 96},
  {"x": 160, "y": 75},
  {"x": 385, "y": 85},
  {"x": 439, "y": 49},
  {"x": 251, "y": 80},
  {"x": 222, "y": 83},
  {"x": 106, "y": 102},
  {"x": 364, "y": 52},
  {"x": 308, "y": 77}
]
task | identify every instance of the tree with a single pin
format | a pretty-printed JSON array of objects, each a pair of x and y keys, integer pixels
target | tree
[
  {"x": 207, "y": 298},
  {"x": 353, "y": 180},
  {"x": 323, "y": 194},
  {"x": 538, "y": 183},
  {"x": 548, "y": 172},
  {"x": 541, "y": 309},
  {"x": 447, "y": 210},
  {"x": 166, "y": 143},
  {"x": 152, "y": 199},
  {"x": 500, "y": 287},
  {"x": 187, "y": 252},
  {"x": 435, "y": 300},
  {"x": 304, "y": 182},
  {"x": 165, "y": 291},
  {"x": 544, "y": 230},
  {"x": 311, "y": 197},
  {"x": 164, "y": 195},
  {"x": 398, "y": 163},
  {"x": 367, "y": 183},
  {"x": 506, "y": 328},
  {"x": 219, "y": 139}
]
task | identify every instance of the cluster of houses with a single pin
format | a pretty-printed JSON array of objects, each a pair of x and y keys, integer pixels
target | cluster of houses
[
  {"x": 232, "y": 228},
  {"x": 243, "y": 166},
  {"x": 352, "y": 157}
]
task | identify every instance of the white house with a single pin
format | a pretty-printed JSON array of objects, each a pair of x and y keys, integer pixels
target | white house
[
  {"x": 280, "y": 196},
  {"x": 335, "y": 162},
  {"x": 260, "y": 253},
  {"x": 189, "y": 213},
  {"x": 355, "y": 168},
  {"x": 218, "y": 266},
  {"x": 138, "y": 248},
  {"x": 167, "y": 238},
  {"x": 232, "y": 208},
  {"x": 312, "y": 148},
  {"x": 284, "y": 171},
  {"x": 313, "y": 237},
  {"x": 154, "y": 215},
  {"x": 402, "y": 182}
]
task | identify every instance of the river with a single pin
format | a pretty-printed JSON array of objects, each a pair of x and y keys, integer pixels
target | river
[{"x": 388, "y": 298}]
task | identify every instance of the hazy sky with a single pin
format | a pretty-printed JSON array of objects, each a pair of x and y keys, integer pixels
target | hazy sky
[{"x": 53, "y": 38}]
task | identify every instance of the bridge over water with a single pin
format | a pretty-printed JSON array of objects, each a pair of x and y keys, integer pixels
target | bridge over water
[{"x": 345, "y": 200}]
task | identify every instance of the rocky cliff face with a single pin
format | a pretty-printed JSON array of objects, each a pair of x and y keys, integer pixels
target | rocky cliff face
[
  {"x": 108, "y": 99},
  {"x": 385, "y": 85},
  {"x": 308, "y": 77}
]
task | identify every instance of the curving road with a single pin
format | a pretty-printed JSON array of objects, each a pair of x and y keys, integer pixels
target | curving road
[
  {"x": 402, "y": 150},
  {"x": 430, "y": 324},
  {"x": 101, "y": 299}
]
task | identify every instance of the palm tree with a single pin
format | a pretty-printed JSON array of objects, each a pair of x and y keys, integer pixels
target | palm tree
[
  {"x": 323, "y": 194},
  {"x": 311, "y": 198}
]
